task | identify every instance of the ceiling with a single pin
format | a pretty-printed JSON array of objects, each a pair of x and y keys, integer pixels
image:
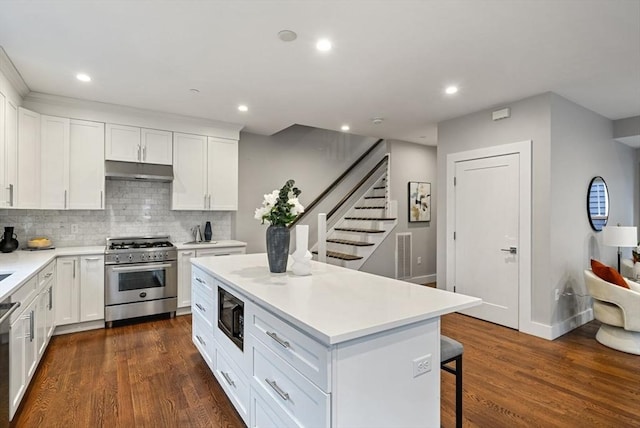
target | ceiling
[{"x": 390, "y": 59}]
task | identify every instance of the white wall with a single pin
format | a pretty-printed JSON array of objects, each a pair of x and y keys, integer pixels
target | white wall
[{"x": 410, "y": 162}]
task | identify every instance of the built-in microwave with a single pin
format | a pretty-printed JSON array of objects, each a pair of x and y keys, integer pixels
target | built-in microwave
[{"x": 231, "y": 316}]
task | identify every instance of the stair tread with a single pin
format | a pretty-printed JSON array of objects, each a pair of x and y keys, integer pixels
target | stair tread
[
  {"x": 354, "y": 243},
  {"x": 369, "y": 208},
  {"x": 369, "y": 218},
  {"x": 379, "y": 187},
  {"x": 375, "y": 197},
  {"x": 356, "y": 229},
  {"x": 341, "y": 256}
]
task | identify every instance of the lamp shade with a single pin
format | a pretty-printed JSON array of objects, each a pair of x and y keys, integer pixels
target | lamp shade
[{"x": 620, "y": 236}]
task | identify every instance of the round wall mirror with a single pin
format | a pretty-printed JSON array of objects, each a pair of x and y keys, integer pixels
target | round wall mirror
[{"x": 598, "y": 203}]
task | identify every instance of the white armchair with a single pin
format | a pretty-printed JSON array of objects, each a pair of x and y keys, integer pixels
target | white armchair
[
  {"x": 618, "y": 309},
  {"x": 628, "y": 269}
]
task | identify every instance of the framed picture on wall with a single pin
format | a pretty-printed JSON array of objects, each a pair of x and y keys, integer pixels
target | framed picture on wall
[{"x": 419, "y": 201}]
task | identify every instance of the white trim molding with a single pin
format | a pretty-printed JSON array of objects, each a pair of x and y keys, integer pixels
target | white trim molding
[
  {"x": 12, "y": 74},
  {"x": 523, "y": 149}
]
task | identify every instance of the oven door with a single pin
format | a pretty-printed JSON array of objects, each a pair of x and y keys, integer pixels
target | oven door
[{"x": 140, "y": 282}]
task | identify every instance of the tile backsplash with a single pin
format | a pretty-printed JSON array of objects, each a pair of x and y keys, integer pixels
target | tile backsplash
[{"x": 133, "y": 208}]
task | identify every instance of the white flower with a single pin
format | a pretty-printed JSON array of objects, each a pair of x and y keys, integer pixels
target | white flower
[
  {"x": 260, "y": 211},
  {"x": 297, "y": 208},
  {"x": 271, "y": 198}
]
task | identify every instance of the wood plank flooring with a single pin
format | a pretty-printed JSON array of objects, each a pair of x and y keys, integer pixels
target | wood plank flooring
[{"x": 150, "y": 375}]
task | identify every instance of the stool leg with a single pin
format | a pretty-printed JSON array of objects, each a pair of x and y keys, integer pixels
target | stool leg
[{"x": 459, "y": 392}]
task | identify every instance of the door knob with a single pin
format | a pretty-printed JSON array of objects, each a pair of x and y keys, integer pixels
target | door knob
[{"x": 510, "y": 250}]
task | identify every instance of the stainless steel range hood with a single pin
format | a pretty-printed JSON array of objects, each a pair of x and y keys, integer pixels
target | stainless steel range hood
[{"x": 115, "y": 170}]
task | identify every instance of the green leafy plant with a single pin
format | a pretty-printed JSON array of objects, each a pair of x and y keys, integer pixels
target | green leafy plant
[{"x": 280, "y": 207}]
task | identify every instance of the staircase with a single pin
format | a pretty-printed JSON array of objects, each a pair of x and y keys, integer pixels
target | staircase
[{"x": 356, "y": 234}]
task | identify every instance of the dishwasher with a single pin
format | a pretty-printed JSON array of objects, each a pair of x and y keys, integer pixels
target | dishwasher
[{"x": 6, "y": 309}]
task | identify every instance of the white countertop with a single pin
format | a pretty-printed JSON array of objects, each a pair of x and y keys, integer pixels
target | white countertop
[
  {"x": 24, "y": 264},
  {"x": 334, "y": 304},
  {"x": 211, "y": 244}
]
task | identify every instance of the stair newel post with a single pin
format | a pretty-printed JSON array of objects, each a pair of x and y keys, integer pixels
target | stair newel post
[{"x": 322, "y": 237}]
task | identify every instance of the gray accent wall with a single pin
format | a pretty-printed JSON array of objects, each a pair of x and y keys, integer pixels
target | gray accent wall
[{"x": 570, "y": 145}]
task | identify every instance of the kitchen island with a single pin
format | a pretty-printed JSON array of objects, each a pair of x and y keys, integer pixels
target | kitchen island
[{"x": 336, "y": 348}]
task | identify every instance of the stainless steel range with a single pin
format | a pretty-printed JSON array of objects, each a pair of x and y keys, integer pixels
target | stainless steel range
[{"x": 141, "y": 277}]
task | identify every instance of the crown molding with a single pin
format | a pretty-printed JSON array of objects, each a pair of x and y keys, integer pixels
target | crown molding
[{"x": 12, "y": 74}]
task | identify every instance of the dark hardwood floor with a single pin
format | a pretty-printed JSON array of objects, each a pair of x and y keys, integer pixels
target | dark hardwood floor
[{"x": 150, "y": 375}]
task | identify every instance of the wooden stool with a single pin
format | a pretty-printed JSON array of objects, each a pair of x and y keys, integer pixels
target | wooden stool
[{"x": 451, "y": 350}]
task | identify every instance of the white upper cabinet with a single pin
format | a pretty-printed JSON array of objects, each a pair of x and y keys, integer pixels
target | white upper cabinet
[
  {"x": 205, "y": 173},
  {"x": 28, "y": 185},
  {"x": 189, "y": 187},
  {"x": 54, "y": 162},
  {"x": 86, "y": 165},
  {"x": 8, "y": 198},
  {"x": 157, "y": 146},
  {"x": 222, "y": 174},
  {"x": 133, "y": 144}
]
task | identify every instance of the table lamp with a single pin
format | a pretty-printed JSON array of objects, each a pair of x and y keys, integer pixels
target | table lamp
[{"x": 620, "y": 236}]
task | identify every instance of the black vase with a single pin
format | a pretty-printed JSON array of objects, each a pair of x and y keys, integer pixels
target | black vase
[
  {"x": 278, "y": 248},
  {"x": 207, "y": 231},
  {"x": 9, "y": 242}
]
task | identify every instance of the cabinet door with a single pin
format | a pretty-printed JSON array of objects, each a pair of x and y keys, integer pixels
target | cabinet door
[
  {"x": 86, "y": 165},
  {"x": 11, "y": 154},
  {"x": 41, "y": 308},
  {"x": 222, "y": 170},
  {"x": 91, "y": 288},
  {"x": 67, "y": 292},
  {"x": 19, "y": 331},
  {"x": 30, "y": 340},
  {"x": 188, "y": 189},
  {"x": 3, "y": 167},
  {"x": 184, "y": 278},
  {"x": 54, "y": 162},
  {"x": 28, "y": 186},
  {"x": 50, "y": 322},
  {"x": 157, "y": 146},
  {"x": 122, "y": 143}
]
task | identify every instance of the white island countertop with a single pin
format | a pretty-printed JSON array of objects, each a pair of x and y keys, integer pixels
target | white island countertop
[{"x": 333, "y": 304}]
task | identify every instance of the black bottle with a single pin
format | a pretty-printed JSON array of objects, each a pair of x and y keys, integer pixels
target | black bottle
[{"x": 207, "y": 231}]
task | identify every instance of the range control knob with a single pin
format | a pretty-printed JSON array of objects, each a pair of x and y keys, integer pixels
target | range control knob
[
  {"x": 130, "y": 257},
  {"x": 143, "y": 256},
  {"x": 116, "y": 258}
]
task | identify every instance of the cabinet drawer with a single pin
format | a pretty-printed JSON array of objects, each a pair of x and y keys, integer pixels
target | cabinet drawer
[
  {"x": 234, "y": 382},
  {"x": 202, "y": 337},
  {"x": 263, "y": 417},
  {"x": 310, "y": 357},
  {"x": 46, "y": 274},
  {"x": 24, "y": 295},
  {"x": 201, "y": 280},
  {"x": 286, "y": 391},
  {"x": 204, "y": 305}
]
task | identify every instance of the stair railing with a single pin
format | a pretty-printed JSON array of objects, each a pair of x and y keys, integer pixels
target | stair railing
[{"x": 335, "y": 183}]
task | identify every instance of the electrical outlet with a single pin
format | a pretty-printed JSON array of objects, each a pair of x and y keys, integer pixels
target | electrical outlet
[
  {"x": 421, "y": 365},
  {"x": 419, "y": 260},
  {"x": 557, "y": 294},
  {"x": 74, "y": 229}
]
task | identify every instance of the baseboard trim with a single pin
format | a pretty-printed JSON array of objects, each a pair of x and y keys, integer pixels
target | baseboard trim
[
  {"x": 78, "y": 327},
  {"x": 422, "y": 279},
  {"x": 183, "y": 311},
  {"x": 551, "y": 332}
]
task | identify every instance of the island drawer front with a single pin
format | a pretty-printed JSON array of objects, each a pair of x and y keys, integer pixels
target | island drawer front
[
  {"x": 287, "y": 392},
  {"x": 24, "y": 295},
  {"x": 234, "y": 382},
  {"x": 202, "y": 280},
  {"x": 262, "y": 416},
  {"x": 46, "y": 274},
  {"x": 202, "y": 337},
  {"x": 204, "y": 305},
  {"x": 310, "y": 357}
]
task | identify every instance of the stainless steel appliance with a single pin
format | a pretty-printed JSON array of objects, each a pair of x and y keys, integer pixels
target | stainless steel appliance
[
  {"x": 6, "y": 309},
  {"x": 231, "y": 316},
  {"x": 141, "y": 277}
]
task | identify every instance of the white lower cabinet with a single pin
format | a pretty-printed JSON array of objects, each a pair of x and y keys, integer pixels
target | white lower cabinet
[
  {"x": 234, "y": 382},
  {"x": 79, "y": 296}
]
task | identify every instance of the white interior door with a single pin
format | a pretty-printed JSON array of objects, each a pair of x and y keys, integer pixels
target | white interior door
[{"x": 487, "y": 215}]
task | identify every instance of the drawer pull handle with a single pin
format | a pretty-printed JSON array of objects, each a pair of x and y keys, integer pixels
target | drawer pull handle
[
  {"x": 199, "y": 306},
  {"x": 276, "y": 388},
  {"x": 202, "y": 342},
  {"x": 228, "y": 379},
  {"x": 48, "y": 275},
  {"x": 200, "y": 281},
  {"x": 275, "y": 337}
]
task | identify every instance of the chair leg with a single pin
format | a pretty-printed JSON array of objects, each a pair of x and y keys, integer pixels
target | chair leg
[{"x": 459, "y": 391}]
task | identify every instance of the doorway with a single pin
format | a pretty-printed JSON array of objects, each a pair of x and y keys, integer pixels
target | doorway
[{"x": 489, "y": 231}]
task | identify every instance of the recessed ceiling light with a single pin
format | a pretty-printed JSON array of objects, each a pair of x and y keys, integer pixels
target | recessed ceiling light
[
  {"x": 377, "y": 120},
  {"x": 451, "y": 90},
  {"x": 195, "y": 91},
  {"x": 83, "y": 77},
  {"x": 243, "y": 107},
  {"x": 287, "y": 35},
  {"x": 323, "y": 45},
  {"x": 345, "y": 128}
]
